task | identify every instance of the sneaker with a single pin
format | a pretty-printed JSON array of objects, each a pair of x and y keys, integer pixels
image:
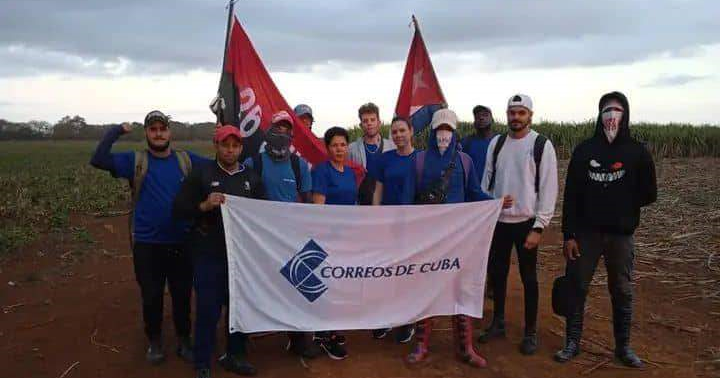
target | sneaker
[
  {"x": 496, "y": 330},
  {"x": 404, "y": 334},
  {"x": 237, "y": 364},
  {"x": 184, "y": 349},
  {"x": 203, "y": 373},
  {"x": 529, "y": 344},
  {"x": 332, "y": 348},
  {"x": 155, "y": 354},
  {"x": 340, "y": 339},
  {"x": 378, "y": 334},
  {"x": 304, "y": 349},
  {"x": 571, "y": 350}
]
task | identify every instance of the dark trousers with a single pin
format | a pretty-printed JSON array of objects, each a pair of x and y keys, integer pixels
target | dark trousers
[
  {"x": 211, "y": 294},
  {"x": 505, "y": 237},
  {"x": 156, "y": 264},
  {"x": 618, "y": 252}
]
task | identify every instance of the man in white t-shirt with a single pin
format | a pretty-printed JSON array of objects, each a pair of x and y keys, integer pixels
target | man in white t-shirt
[{"x": 522, "y": 164}]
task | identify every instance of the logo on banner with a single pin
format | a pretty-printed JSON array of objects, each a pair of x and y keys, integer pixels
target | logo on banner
[{"x": 300, "y": 271}]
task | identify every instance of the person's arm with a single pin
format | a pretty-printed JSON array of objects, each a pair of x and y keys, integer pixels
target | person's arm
[
  {"x": 377, "y": 195},
  {"x": 319, "y": 181},
  {"x": 473, "y": 191},
  {"x": 187, "y": 202},
  {"x": 102, "y": 158},
  {"x": 647, "y": 192},
  {"x": 548, "y": 192},
  {"x": 198, "y": 160},
  {"x": 573, "y": 187}
]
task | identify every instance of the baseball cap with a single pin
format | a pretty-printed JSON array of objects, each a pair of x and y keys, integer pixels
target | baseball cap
[
  {"x": 155, "y": 116},
  {"x": 282, "y": 116},
  {"x": 479, "y": 108},
  {"x": 303, "y": 109},
  {"x": 444, "y": 117},
  {"x": 223, "y": 132},
  {"x": 520, "y": 100}
]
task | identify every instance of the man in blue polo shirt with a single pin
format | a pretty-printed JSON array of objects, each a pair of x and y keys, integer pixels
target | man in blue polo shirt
[{"x": 155, "y": 176}]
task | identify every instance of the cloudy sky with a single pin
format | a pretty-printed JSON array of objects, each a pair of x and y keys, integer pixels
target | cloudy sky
[{"x": 111, "y": 61}]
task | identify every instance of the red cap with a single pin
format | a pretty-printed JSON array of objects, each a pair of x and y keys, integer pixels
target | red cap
[
  {"x": 282, "y": 116},
  {"x": 222, "y": 132}
]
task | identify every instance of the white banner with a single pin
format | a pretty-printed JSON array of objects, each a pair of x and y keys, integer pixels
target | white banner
[{"x": 302, "y": 267}]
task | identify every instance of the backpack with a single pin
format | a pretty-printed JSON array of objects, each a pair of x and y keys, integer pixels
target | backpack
[
  {"x": 538, "y": 149},
  {"x": 257, "y": 162},
  {"x": 438, "y": 188},
  {"x": 141, "y": 170}
]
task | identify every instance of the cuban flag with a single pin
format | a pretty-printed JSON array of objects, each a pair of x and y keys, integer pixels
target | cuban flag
[{"x": 420, "y": 94}]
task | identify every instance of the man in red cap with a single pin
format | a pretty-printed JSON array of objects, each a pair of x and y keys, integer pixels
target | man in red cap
[{"x": 199, "y": 200}]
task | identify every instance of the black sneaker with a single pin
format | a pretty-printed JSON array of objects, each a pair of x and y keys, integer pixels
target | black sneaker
[
  {"x": 571, "y": 350},
  {"x": 237, "y": 364},
  {"x": 203, "y": 373},
  {"x": 332, "y": 348},
  {"x": 304, "y": 349},
  {"x": 155, "y": 354},
  {"x": 628, "y": 357},
  {"x": 378, "y": 334},
  {"x": 404, "y": 334},
  {"x": 496, "y": 330},
  {"x": 340, "y": 339},
  {"x": 529, "y": 344},
  {"x": 184, "y": 349}
]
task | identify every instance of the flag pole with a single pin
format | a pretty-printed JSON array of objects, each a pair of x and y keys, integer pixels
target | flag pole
[
  {"x": 230, "y": 7},
  {"x": 218, "y": 103}
]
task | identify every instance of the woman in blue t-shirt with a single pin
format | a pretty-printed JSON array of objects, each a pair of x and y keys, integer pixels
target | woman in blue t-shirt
[{"x": 334, "y": 183}]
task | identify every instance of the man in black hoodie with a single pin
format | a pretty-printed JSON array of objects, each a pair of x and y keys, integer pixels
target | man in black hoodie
[{"x": 610, "y": 177}]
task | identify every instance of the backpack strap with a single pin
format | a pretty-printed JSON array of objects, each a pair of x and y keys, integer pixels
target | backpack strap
[
  {"x": 419, "y": 166},
  {"x": 496, "y": 152},
  {"x": 141, "y": 169},
  {"x": 295, "y": 164},
  {"x": 538, "y": 150},
  {"x": 184, "y": 161},
  {"x": 257, "y": 162}
]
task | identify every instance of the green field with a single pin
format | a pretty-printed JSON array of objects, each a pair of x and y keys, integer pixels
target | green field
[{"x": 43, "y": 182}]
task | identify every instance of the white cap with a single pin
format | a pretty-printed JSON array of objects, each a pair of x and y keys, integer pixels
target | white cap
[
  {"x": 444, "y": 117},
  {"x": 520, "y": 100}
]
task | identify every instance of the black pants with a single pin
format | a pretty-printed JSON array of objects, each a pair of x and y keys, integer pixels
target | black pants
[
  {"x": 156, "y": 264},
  {"x": 618, "y": 252},
  {"x": 506, "y": 235}
]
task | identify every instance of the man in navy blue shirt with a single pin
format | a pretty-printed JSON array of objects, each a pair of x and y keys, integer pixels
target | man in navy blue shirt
[
  {"x": 155, "y": 176},
  {"x": 476, "y": 145}
]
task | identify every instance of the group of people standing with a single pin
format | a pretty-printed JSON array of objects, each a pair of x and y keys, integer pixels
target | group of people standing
[{"x": 178, "y": 235}]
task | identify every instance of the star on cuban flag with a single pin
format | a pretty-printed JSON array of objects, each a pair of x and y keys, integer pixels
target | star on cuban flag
[{"x": 420, "y": 94}]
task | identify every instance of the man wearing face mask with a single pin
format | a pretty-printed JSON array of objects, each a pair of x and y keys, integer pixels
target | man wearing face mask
[
  {"x": 522, "y": 164},
  {"x": 610, "y": 177}
]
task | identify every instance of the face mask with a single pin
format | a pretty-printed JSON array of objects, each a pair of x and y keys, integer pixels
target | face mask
[
  {"x": 278, "y": 145},
  {"x": 611, "y": 123},
  {"x": 443, "y": 138}
]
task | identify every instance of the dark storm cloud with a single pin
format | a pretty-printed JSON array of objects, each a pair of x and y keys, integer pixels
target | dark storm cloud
[{"x": 154, "y": 37}]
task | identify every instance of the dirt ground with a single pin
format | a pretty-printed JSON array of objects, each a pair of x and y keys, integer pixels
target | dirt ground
[{"x": 70, "y": 305}]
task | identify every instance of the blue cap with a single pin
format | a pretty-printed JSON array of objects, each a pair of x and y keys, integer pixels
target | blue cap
[{"x": 302, "y": 110}]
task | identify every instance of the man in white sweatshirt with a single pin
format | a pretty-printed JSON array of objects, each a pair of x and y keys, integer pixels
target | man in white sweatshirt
[{"x": 522, "y": 164}]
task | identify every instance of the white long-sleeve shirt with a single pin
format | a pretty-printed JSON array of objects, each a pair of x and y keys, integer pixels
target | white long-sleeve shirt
[{"x": 516, "y": 176}]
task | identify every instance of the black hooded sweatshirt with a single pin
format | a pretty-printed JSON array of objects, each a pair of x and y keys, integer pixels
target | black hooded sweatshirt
[{"x": 608, "y": 183}]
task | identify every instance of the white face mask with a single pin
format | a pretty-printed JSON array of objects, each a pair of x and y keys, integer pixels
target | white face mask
[
  {"x": 443, "y": 140},
  {"x": 611, "y": 123}
]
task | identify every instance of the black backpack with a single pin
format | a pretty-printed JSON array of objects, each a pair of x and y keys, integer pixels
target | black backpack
[
  {"x": 538, "y": 149},
  {"x": 294, "y": 163}
]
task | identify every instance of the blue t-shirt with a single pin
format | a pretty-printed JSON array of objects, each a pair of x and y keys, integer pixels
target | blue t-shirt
[
  {"x": 279, "y": 178},
  {"x": 397, "y": 174},
  {"x": 477, "y": 148},
  {"x": 339, "y": 188},
  {"x": 153, "y": 221},
  {"x": 372, "y": 158}
]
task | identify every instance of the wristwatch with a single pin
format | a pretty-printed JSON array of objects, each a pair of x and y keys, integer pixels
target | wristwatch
[{"x": 539, "y": 230}]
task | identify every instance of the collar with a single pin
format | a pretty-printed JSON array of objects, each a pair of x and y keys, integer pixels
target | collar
[{"x": 240, "y": 169}]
